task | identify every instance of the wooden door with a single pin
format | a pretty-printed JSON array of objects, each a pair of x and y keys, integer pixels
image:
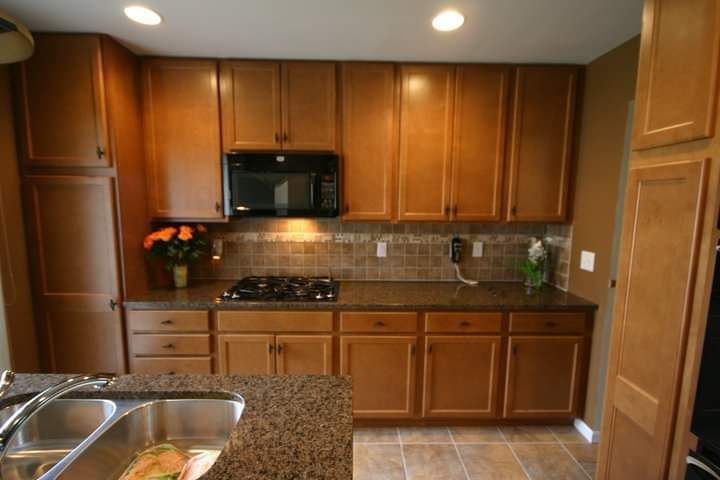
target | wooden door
[
  {"x": 652, "y": 310},
  {"x": 461, "y": 376},
  {"x": 543, "y": 376},
  {"x": 304, "y": 354},
  {"x": 481, "y": 106},
  {"x": 71, "y": 228},
  {"x": 383, "y": 374},
  {"x": 61, "y": 103},
  {"x": 246, "y": 354},
  {"x": 370, "y": 124},
  {"x": 426, "y": 116},
  {"x": 541, "y": 143},
  {"x": 250, "y": 103},
  {"x": 309, "y": 106},
  {"x": 677, "y": 72},
  {"x": 182, "y": 134}
]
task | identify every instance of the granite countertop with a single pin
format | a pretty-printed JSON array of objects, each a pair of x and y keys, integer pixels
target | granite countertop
[
  {"x": 293, "y": 427},
  {"x": 495, "y": 296}
]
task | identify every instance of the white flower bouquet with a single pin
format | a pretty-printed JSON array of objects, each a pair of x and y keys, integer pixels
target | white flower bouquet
[{"x": 534, "y": 266}]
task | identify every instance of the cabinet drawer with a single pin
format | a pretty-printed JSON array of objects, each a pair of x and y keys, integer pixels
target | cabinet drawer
[
  {"x": 463, "y": 322},
  {"x": 547, "y": 323},
  {"x": 153, "y": 366},
  {"x": 188, "y": 344},
  {"x": 378, "y": 322},
  {"x": 168, "y": 320},
  {"x": 275, "y": 321}
]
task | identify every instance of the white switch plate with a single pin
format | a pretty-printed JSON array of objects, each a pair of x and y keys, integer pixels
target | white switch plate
[
  {"x": 381, "y": 249},
  {"x": 587, "y": 261},
  {"x": 478, "y": 249}
]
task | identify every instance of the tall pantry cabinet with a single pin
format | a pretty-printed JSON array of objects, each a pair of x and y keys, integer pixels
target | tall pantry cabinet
[{"x": 79, "y": 123}]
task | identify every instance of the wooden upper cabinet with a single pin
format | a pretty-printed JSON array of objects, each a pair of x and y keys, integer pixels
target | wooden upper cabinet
[
  {"x": 61, "y": 103},
  {"x": 309, "y": 106},
  {"x": 182, "y": 128},
  {"x": 541, "y": 143},
  {"x": 250, "y": 101},
  {"x": 369, "y": 140},
  {"x": 482, "y": 93},
  {"x": 677, "y": 72},
  {"x": 426, "y": 117},
  {"x": 663, "y": 206}
]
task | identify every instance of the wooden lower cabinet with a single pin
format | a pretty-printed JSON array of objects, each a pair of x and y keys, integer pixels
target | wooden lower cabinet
[
  {"x": 543, "y": 376},
  {"x": 246, "y": 354},
  {"x": 383, "y": 374},
  {"x": 461, "y": 376},
  {"x": 304, "y": 354}
]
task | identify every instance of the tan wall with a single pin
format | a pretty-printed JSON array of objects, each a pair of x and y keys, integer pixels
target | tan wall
[
  {"x": 13, "y": 255},
  {"x": 609, "y": 87}
]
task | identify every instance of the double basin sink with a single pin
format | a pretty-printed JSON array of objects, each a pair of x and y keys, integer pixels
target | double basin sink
[{"x": 96, "y": 438}]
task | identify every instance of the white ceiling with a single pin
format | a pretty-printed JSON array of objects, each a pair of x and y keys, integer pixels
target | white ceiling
[{"x": 554, "y": 31}]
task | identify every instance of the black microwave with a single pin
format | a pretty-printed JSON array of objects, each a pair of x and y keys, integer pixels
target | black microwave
[{"x": 281, "y": 185}]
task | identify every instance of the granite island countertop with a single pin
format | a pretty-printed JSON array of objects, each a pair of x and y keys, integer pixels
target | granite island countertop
[
  {"x": 369, "y": 295},
  {"x": 293, "y": 427}
]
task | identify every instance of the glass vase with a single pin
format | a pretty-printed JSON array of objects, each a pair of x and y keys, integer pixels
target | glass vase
[{"x": 180, "y": 276}]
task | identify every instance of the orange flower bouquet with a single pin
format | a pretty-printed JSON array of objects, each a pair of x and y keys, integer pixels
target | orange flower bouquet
[{"x": 178, "y": 246}]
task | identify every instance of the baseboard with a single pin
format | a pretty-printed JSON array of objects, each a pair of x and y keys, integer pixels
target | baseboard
[{"x": 592, "y": 436}]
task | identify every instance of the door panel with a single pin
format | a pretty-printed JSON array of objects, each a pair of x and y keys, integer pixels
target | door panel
[
  {"x": 250, "y": 101},
  {"x": 304, "y": 354},
  {"x": 425, "y": 141},
  {"x": 61, "y": 103},
  {"x": 677, "y": 73},
  {"x": 246, "y": 354},
  {"x": 661, "y": 214},
  {"x": 479, "y": 142},
  {"x": 461, "y": 376},
  {"x": 370, "y": 123},
  {"x": 383, "y": 374},
  {"x": 309, "y": 106}
]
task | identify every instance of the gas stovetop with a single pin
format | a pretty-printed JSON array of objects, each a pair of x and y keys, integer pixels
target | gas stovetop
[{"x": 295, "y": 289}]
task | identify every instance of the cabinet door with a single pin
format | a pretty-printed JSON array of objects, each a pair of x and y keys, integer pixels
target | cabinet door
[
  {"x": 652, "y": 312},
  {"x": 461, "y": 376},
  {"x": 370, "y": 124},
  {"x": 482, "y": 93},
  {"x": 71, "y": 228},
  {"x": 246, "y": 354},
  {"x": 383, "y": 374},
  {"x": 182, "y": 128},
  {"x": 304, "y": 354},
  {"x": 426, "y": 116},
  {"x": 61, "y": 103},
  {"x": 677, "y": 72},
  {"x": 541, "y": 143},
  {"x": 250, "y": 102},
  {"x": 309, "y": 106},
  {"x": 543, "y": 376}
]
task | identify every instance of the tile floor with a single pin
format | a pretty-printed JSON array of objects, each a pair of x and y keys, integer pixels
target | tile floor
[{"x": 473, "y": 453}]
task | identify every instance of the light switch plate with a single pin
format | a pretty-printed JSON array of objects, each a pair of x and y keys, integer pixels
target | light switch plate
[
  {"x": 381, "y": 249},
  {"x": 587, "y": 261},
  {"x": 478, "y": 248}
]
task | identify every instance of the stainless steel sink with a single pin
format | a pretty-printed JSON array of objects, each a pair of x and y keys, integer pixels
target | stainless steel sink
[{"x": 51, "y": 435}]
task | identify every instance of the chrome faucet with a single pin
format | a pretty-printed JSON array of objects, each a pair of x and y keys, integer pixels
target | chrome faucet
[
  {"x": 39, "y": 401},
  {"x": 6, "y": 380}
]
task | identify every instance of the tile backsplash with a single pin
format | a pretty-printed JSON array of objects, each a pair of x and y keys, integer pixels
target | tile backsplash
[{"x": 347, "y": 251}]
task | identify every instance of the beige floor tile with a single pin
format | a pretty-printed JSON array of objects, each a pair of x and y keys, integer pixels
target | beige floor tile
[
  {"x": 377, "y": 462},
  {"x": 433, "y": 462},
  {"x": 476, "y": 435},
  {"x": 548, "y": 462},
  {"x": 527, "y": 433},
  {"x": 376, "y": 435},
  {"x": 490, "y": 462},
  {"x": 586, "y": 454},
  {"x": 425, "y": 435},
  {"x": 568, "y": 434}
]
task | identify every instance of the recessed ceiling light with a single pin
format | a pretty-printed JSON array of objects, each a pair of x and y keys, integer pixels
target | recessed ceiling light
[
  {"x": 143, "y": 15},
  {"x": 448, "y": 20}
]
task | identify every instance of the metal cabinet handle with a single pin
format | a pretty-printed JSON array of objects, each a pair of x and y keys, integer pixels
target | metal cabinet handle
[
  {"x": 412, "y": 349},
  {"x": 429, "y": 349},
  {"x": 217, "y": 206},
  {"x": 514, "y": 349},
  {"x": 166, "y": 322},
  {"x": 379, "y": 324},
  {"x": 113, "y": 304},
  {"x": 447, "y": 210},
  {"x": 285, "y": 137},
  {"x": 168, "y": 345},
  {"x": 280, "y": 348},
  {"x": 270, "y": 348},
  {"x": 455, "y": 211},
  {"x": 277, "y": 137},
  {"x": 551, "y": 324},
  {"x": 513, "y": 211},
  {"x": 465, "y": 323},
  {"x": 100, "y": 152},
  {"x": 171, "y": 372}
]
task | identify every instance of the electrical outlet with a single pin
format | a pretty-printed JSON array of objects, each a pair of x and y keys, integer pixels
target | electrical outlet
[
  {"x": 478, "y": 248},
  {"x": 587, "y": 261},
  {"x": 381, "y": 249}
]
